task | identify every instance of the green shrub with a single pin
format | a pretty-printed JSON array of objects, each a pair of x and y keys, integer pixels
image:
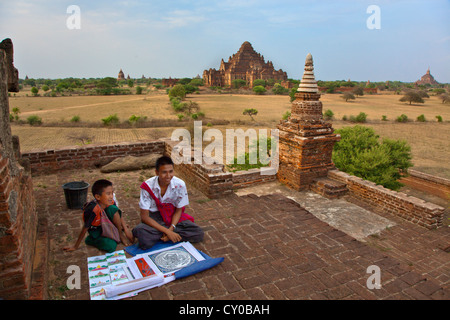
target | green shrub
[
  {"x": 238, "y": 83},
  {"x": 259, "y": 82},
  {"x": 178, "y": 91},
  {"x": 344, "y": 118},
  {"x": 361, "y": 117},
  {"x": 439, "y": 118},
  {"x": 383, "y": 118},
  {"x": 34, "y": 120},
  {"x": 286, "y": 115},
  {"x": 34, "y": 91},
  {"x": 279, "y": 89},
  {"x": 259, "y": 90},
  {"x": 139, "y": 90},
  {"x": 360, "y": 153},
  {"x": 75, "y": 119},
  {"x": 328, "y": 115},
  {"x": 421, "y": 118},
  {"x": 402, "y": 118},
  {"x": 111, "y": 120}
]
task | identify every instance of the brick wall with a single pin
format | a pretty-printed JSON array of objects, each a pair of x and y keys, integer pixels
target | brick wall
[
  {"x": 18, "y": 218},
  {"x": 416, "y": 210},
  {"x": 213, "y": 180},
  {"x": 50, "y": 160}
]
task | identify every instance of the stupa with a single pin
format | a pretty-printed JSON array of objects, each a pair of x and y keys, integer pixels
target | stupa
[
  {"x": 305, "y": 140},
  {"x": 121, "y": 75}
]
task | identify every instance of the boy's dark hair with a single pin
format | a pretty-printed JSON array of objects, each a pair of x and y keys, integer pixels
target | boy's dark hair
[
  {"x": 163, "y": 161},
  {"x": 99, "y": 186}
]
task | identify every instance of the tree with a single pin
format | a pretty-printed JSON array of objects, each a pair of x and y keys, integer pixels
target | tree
[
  {"x": 138, "y": 90},
  {"x": 130, "y": 83},
  {"x": 178, "y": 91},
  {"x": 259, "y": 82},
  {"x": 348, "y": 96},
  {"x": 250, "y": 112},
  {"x": 358, "y": 91},
  {"x": 360, "y": 153},
  {"x": 259, "y": 90},
  {"x": 412, "y": 96},
  {"x": 237, "y": 83},
  {"x": 34, "y": 91},
  {"x": 445, "y": 97},
  {"x": 45, "y": 87},
  {"x": 279, "y": 89}
]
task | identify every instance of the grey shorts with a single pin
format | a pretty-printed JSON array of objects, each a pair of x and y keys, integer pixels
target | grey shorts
[{"x": 148, "y": 236}]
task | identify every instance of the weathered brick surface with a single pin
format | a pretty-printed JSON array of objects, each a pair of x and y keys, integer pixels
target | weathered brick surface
[
  {"x": 273, "y": 249},
  {"x": 410, "y": 208}
]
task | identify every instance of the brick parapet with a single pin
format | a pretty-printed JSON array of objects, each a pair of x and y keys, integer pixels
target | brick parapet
[{"x": 410, "y": 208}]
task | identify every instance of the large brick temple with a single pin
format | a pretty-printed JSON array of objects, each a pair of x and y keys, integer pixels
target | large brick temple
[
  {"x": 246, "y": 64},
  {"x": 427, "y": 78}
]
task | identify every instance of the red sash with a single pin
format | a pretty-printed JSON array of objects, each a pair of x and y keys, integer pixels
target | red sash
[{"x": 166, "y": 209}]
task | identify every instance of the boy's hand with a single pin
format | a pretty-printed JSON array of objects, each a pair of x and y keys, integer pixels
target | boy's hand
[{"x": 172, "y": 236}]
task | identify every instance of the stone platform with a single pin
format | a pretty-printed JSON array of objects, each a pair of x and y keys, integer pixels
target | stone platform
[{"x": 274, "y": 248}]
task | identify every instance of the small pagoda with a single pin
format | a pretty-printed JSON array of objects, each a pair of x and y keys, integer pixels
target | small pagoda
[{"x": 305, "y": 140}]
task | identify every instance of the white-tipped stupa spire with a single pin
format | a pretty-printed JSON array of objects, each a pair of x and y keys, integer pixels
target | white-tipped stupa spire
[{"x": 308, "y": 83}]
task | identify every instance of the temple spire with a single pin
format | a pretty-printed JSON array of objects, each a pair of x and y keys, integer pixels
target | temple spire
[{"x": 308, "y": 82}]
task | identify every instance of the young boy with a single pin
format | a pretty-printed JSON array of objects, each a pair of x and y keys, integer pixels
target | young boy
[
  {"x": 102, "y": 191},
  {"x": 162, "y": 203}
]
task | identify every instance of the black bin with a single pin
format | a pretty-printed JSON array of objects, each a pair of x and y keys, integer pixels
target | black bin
[{"x": 76, "y": 194}]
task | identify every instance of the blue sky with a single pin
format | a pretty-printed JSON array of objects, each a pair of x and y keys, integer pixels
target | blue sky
[{"x": 183, "y": 38}]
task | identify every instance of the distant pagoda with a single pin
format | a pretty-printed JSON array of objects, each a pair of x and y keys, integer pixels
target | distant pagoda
[
  {"x": 427, "y": 78},
  {"x": 121, "y": 75}
]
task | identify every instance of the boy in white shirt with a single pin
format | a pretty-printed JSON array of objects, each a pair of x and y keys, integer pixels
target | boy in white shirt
[{"x": 162, "y": 203}]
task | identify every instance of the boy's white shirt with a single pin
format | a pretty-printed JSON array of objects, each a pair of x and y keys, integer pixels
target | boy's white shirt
[{"x": 176, "y": 194}]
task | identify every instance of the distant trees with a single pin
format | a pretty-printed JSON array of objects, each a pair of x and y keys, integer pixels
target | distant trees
[
  {"x": 414, "y": 96},
  {"x": 250, "y": 112},
  {"x": 348, "y": 96}
]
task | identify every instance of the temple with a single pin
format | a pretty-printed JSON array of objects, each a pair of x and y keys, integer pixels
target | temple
[
  {"x": 247, "y": 65},
  {"x": 305, "y": 140},
  {"x": 427, "y": 78},
  {"x": 121, "y": 75}
]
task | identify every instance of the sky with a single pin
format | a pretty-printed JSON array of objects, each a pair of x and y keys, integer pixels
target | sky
[{"x": 399, "y": 40}]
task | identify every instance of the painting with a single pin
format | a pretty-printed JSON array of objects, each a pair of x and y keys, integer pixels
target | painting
[{"x": 173, "y": 259}]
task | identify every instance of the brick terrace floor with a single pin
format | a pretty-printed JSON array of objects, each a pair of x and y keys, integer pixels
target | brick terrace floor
[{"x": 273, "y": 249}]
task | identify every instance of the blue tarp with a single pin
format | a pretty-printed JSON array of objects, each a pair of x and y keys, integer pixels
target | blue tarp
[{"x": 194, "y": 268}]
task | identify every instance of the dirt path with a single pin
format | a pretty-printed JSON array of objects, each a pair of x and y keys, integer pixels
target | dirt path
[{"x": 84, "y": 106}]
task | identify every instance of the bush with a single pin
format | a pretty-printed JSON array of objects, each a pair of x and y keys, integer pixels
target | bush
[
  {"x": 328, "y": 115},
  {"x": 279, "y": 89},
  {"x": 138, "y": 90},
  {"x": 178, "y": 91},
  {"x": 34, "y": 91},
  {"x": 238, "y": 83},
  {"x": 439, "y": 118},
  {"x": 259, "y": 90},
  {"x": 111, "y": 120},
  {"x": 259, "y": 82},
  {"x": 75, "y": 119},
  {"x": 383, "y": 118},
  {"x": 421, "y": 118},
  {"x": 402, "y": 118},
  {"x": 135, "y": 119},
  {"x": 360, "y": 153},
  {"x": 286, "y": 115},
  {"x": 34, "y": 120},
  {"x": 361, "y": 117}
]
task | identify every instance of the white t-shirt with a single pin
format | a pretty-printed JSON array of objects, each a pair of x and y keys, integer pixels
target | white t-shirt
[{"x": 176, "y": 194}]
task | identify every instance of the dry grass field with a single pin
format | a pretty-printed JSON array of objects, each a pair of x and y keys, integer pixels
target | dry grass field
[{"x": 429, "y": 141}]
